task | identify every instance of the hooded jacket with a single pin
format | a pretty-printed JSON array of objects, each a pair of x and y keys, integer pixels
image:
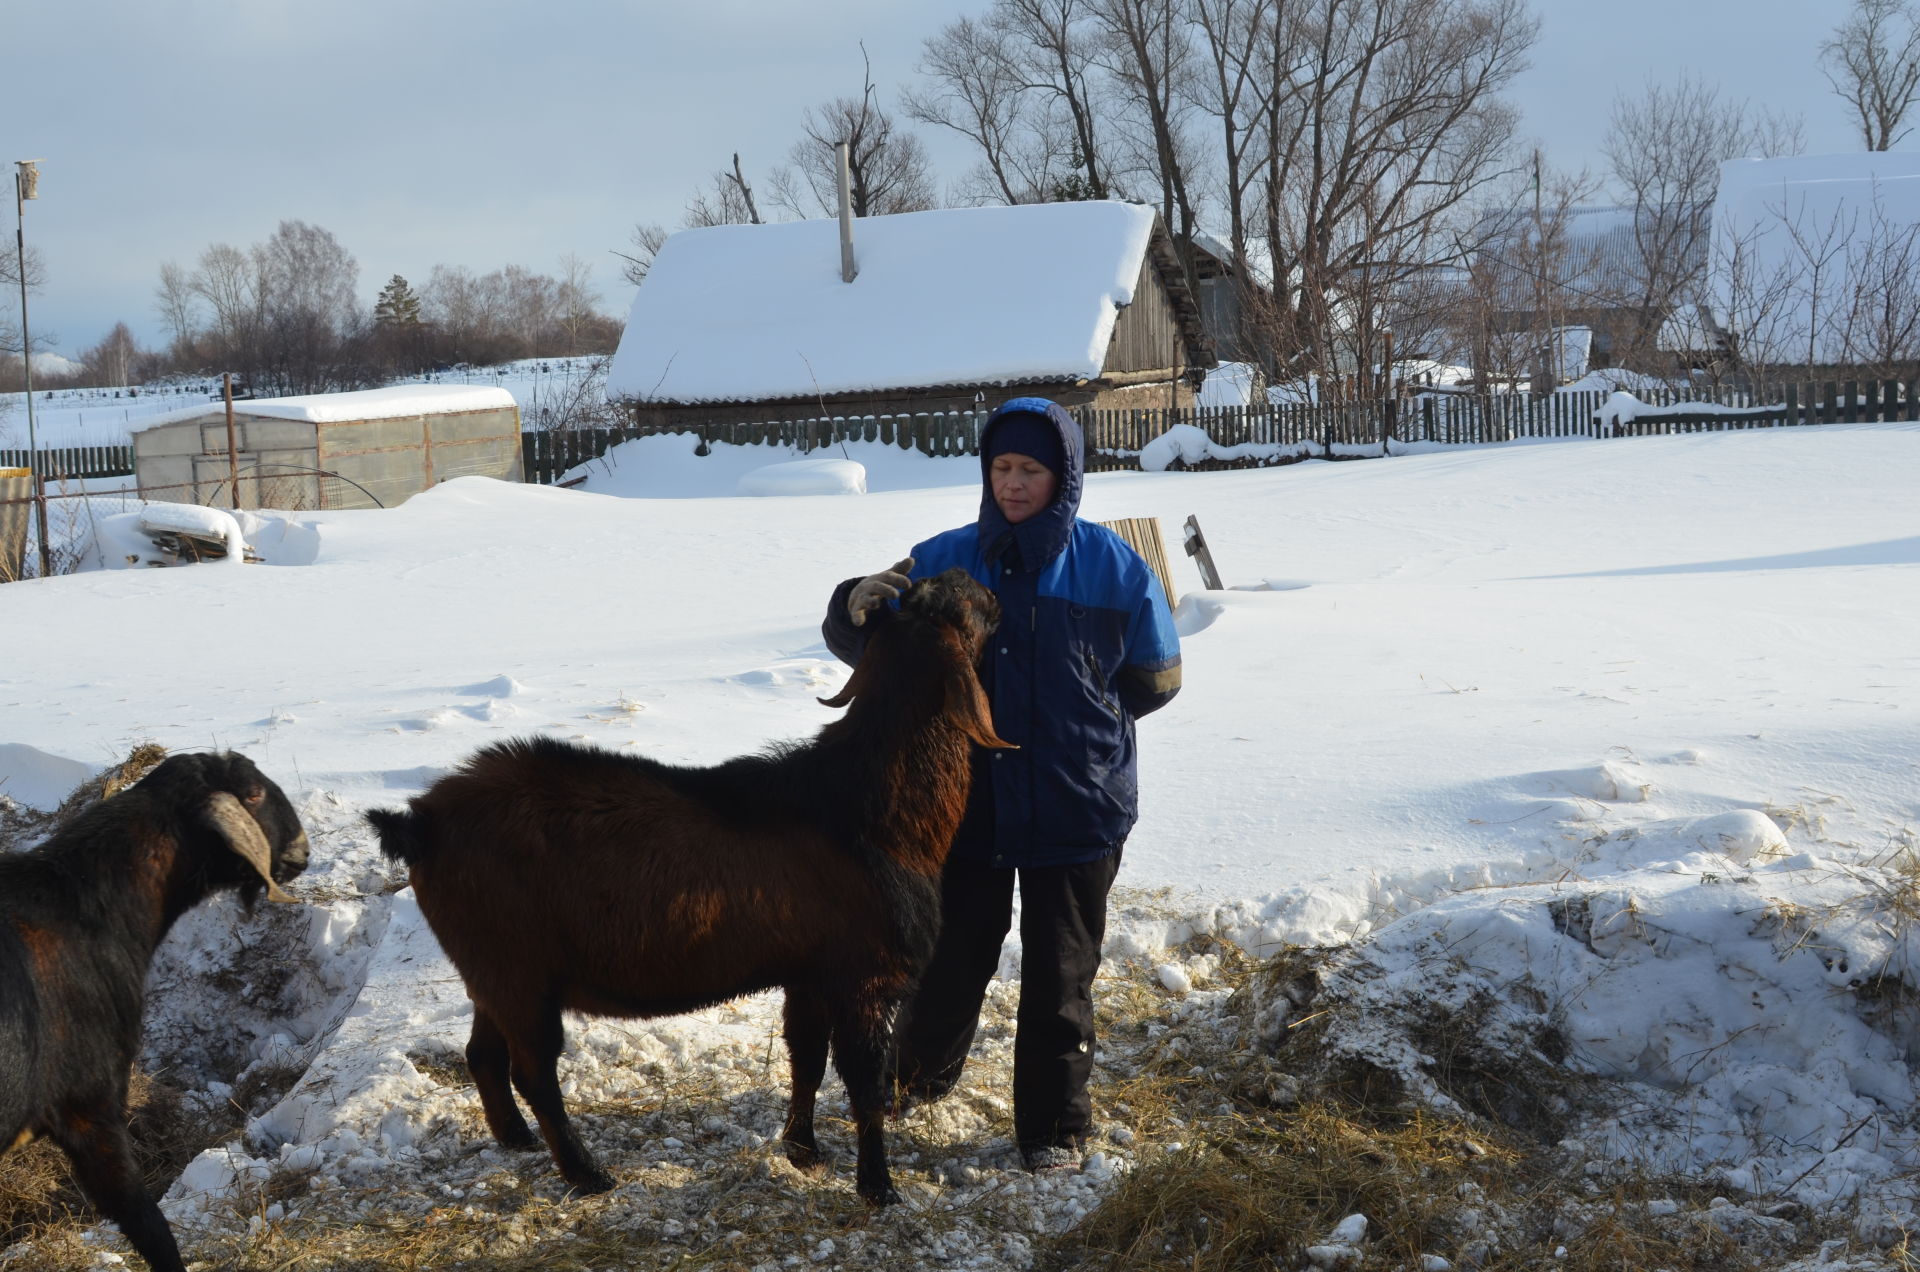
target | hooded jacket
[{"x": 1086, "y": 646}]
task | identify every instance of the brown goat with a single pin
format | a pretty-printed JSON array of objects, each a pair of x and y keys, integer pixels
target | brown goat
[{"x": 569, "y": 878}]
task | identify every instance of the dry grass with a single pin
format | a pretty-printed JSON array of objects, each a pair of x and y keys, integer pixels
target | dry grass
[
  {"x": 1244, "y": 1153},
  {"x": 22, "y": 827},
  {"x": 1252, "y": 1153},
  {"x": 38, "y": 1195}
]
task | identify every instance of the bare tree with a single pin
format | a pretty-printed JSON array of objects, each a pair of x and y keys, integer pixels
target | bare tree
[
  {"x": 111, "y": 362},
  {"x": 1057, "y": 65},
  {"x": 1528, "y": 275},
  {"x": 577, "y": 298},
  {"x": 1879, "y": 329},
  {"x": 175, "y": 300},
  {"x": 977, "y": 92},
  {"x": 532, "y": 304},
  {"x": 1382, "y": 126},
  {"x": 230, "y": 283},
  {"x": 727, "y": 199},
  {"x": 281, "y": 313},
  {"x": 468, "y": 313},
  {"x": 1873, "y": 64},
  {"x": 10, "y": 298},
  {"x": 890, "y": 169},
  {"x": 1230, "y": 90},
  {"x": 645, "y": 241},
  {"x": 514, "y": 313},
  {"x": 1147, "y": 52},
  {"x": 307, "y": 293},
  {"x": 1664, "y": 146}
]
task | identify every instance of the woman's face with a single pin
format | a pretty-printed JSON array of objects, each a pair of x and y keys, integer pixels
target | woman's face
[{"x": 1022, "y": 485}]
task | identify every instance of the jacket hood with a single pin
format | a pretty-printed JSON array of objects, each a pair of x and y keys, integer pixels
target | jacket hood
[{"x": 1043, "y": 536}]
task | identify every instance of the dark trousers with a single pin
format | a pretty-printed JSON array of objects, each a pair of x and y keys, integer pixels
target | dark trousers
[{"x": 1063, "y": 918}]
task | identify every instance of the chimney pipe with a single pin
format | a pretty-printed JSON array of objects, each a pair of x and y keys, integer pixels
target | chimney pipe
[{"x": 847, "y": 270}]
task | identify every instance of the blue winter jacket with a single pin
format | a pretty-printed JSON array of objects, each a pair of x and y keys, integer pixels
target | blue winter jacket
[{"x": 1086, "y": 645}]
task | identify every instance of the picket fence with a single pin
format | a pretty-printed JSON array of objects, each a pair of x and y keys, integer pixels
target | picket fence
[
  {"x": 1251, "y": 436},
  {"x": 1238, "y": 437},
  {"x": 74, "y": 462}
]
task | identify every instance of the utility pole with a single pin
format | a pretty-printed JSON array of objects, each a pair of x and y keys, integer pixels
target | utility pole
[
  {"x": 26, "y": 185},
  {"x": 233, "y": 454}
]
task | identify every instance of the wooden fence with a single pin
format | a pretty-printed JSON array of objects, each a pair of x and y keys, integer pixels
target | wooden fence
[
  {"x": 72, "y": 462},
  {"x": 1249, "y": 436},
  {"x": 1238, "y": 436}
]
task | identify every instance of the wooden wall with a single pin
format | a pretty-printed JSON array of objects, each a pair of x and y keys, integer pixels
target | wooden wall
[{"x": 1146, "y": 337}]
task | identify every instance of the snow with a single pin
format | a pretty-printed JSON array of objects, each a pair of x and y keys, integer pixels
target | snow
[
  {"x": 759, "y": 312},
  {"x": 37, "y": 779},
  {"x": 196, "y": 519},
  {"x": 48, "y": 363},
  {"x": 395, "y": 402},
  {"x": 1576, "y": 351},
  {"x": 806, "y": 477},
  {"x": 1228, "y": 384},
  {"x": 1622, "y": 727}
]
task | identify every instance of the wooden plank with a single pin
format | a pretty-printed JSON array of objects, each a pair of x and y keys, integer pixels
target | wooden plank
[{"x": 1143, "y": 536}]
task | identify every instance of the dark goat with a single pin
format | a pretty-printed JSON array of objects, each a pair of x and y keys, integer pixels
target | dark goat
[
  {"x": 566, "y": 878},
  {"x": 80, "y": 917}
]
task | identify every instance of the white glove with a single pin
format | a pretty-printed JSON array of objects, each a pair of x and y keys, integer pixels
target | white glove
[{"x": 877, "y": 589}]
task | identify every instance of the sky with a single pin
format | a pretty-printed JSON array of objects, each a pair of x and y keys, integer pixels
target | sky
[
  {"x": 424, "y": 132},
  {"x": 1625, "y": 727}
]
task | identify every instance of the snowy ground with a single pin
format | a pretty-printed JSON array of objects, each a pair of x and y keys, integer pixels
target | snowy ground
[{"x": 1611, "y": 740}]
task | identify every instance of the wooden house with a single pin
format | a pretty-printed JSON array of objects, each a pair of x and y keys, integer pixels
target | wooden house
[
  {"x": 948, "y": 310},
  {"x": 1592, "y": 275}
]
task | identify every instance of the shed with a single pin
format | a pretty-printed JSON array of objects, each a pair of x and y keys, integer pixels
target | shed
[
  {"x": 1085, "y": 303},
  {"x": 373, "y": 448}
]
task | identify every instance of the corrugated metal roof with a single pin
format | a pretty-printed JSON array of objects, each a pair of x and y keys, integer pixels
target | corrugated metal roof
[{"x": 1597, "y": 255}]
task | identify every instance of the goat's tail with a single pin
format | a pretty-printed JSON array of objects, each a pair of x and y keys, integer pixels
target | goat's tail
[{"x": 400, "y": 831}]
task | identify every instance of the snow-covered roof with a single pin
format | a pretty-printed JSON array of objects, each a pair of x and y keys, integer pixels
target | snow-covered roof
[
  {"x": 363, "y": 404},
  {"x": 1599, "y": 259},
  {"x": 1787, "y": 223},
  {"x": 961, "y": 296}
]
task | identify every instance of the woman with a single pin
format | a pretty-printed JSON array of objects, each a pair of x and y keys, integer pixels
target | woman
[{"x": 1086, "y": 645}]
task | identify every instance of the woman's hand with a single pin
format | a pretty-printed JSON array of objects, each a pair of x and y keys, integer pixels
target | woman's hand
[{"x": 877, "y": 589}]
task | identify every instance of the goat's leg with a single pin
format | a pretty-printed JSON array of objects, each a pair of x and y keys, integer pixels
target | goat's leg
[
  {"x": 862, "y": 1036},
  {"x": 534, "y": 1049},
  {"x": 95, "y": 1141},
  {"x": 487, "y": 1062},
  {"x": 808, "y": 1028}
]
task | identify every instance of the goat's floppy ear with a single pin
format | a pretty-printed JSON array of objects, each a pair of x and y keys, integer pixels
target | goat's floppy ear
[
  {"x": 855, "y": 686},
  {"x": 245, "y": 838},
  {"x": 968, "y": 708}
]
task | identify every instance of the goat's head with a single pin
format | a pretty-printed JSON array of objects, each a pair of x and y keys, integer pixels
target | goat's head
[
  {"x": 243, "y": 807},
  {"x": 955, "y": 616}
]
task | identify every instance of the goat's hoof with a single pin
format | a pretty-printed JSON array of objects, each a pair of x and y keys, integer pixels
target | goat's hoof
[
  {"x": 589, "y": 1183},
  {"x": 887, "y": 1196},
  {"x": 806, "y": 1158},
  {"x": 519, "y": 1141}
]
